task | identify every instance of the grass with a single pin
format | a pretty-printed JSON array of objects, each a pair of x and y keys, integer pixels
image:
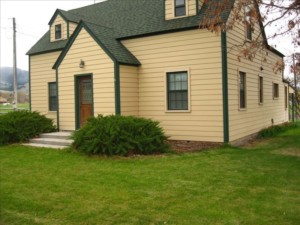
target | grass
[
  {"x": 258, "y": 184},
  {"x": 7, "y": 108}
]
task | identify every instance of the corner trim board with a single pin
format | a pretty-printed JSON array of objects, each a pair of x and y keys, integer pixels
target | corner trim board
[
  {"x": 57, "y": 111},
  {"x": 117, "y": 89},
  {"x": 225, "y": 87}
]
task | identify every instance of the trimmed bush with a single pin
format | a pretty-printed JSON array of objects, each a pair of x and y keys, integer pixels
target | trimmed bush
[
  {"x": 20, "y": 126},
  {"x": 120, "y": 135},
  {"x": 275, "y": 130}
]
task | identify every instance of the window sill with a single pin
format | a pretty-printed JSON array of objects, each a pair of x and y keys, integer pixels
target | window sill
[
  {"x": 243, "y": 110},
  {"x": 52, "y": 111},
  {"x": 276, "y": 98},
  {"x": 261, "y": 103},
  {"x": 177, "y": 111}
]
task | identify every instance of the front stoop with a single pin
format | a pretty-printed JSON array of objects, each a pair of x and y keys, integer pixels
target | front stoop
[{"x": 58, "y": 140}]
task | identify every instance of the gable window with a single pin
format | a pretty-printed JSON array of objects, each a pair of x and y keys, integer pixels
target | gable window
[
  {"x": 261, "y": 90},
  {"x": 177, "y": 93},
  {"x": 285, "y": 97},
  {"x": 52, "y": 96},
  {"x": 248, "y": 26},
  {"x": 242, "y": 90},
  {"x": 275, "y": 90},
  {"x": 58, "y": 31},
  {"x": 248, "y": 31},
  {"x": 180, "y": 8}
]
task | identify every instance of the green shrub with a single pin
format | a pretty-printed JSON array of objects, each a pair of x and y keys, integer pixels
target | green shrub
[
  {"x": 120, "y": 135},
  {"x": 275, "y": 130},
  {"x": 19, "y": 126}
]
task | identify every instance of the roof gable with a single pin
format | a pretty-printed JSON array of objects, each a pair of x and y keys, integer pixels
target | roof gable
[
  {"x": 103, "y": 37},
  {"x": 57, "y": 12}
]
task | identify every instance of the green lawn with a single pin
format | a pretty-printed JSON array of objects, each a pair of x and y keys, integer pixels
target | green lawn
[
  {"x": 7, "y": 108},
  {"x": 256, "y": 185}
]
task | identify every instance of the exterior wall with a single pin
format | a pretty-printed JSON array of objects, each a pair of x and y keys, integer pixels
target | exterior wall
[
  {"x": 41, "y": 73},
  {"x": 59, "y": 20},
  {"x": 72, "y": 27},
  {"x": 129, "y": 90},
  {"x": 190, "y": 9},
  {"x": 256, "y": 116},
  {"x": 199, "y": 52},
  {"x": 99, "y": 65}
]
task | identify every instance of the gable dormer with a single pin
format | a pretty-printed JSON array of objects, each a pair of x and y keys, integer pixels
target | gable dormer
[
  {"x": 181, "y": 8},
  {"x": 61, "y": 28}
]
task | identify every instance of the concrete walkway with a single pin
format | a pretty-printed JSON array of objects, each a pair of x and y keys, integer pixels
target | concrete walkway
[{"x": 58, "y": 140}]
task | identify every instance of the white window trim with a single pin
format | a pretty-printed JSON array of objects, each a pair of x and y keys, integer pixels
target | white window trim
[
  {"x": 186, "y": 9},
  {"x": 174, "y": 70}
]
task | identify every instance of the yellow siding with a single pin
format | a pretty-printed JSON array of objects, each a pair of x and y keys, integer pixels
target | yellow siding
[
  {"x": 97, "y": 63},
  {"x": 256, "y": 116},
  {"x": 58, "y": 20},
  {"x": 72, "y": 27},
  {"x": 41, "y": 74},
  {"x": 190, "y": 9},
  {"x": 198, "y": 51},
  {"x": 129, "y": 90}
]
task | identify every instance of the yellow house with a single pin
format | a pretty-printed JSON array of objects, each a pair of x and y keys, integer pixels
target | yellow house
[{"x": 149, "y": 58}]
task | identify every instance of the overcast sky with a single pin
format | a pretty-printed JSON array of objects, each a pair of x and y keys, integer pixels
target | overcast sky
[{"x": 32, "y": 18}]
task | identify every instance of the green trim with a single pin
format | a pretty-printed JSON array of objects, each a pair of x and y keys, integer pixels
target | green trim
[
  {"x": 47, "y": 51},
  {"x": 57, "y": 111},
  {"x": 159, "y": 32},
  {"x": 225, "y": 87},
  {"x": 117, "y": 89},
  {"x": 57, "y": 12},
  {"x": 29, "y": 80},
  {"x": 164, "y": 8},
  {"x": 73, "y": 38},
  {"x": 68, "y": 27},
  {"x": 197, "y": 7},
  {"x": 76, "y": 89}
]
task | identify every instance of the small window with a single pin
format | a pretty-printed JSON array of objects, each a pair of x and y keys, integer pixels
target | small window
[
  {"x": 275, "y": 90},
  {"x": 285, "y": 97},
  {"x": 177, "y": 84},
  {"x": 180, "y": 8},
  {"x": 248, "y": 31},
  {"x": 261, "y": 90},
  {"x": 58, "y": 31},
  {"x": 242, "y": 92},
  {"x": 52, "y": 97}
]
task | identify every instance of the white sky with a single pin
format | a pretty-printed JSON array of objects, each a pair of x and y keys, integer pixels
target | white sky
[{"x": 32, "y": 17}]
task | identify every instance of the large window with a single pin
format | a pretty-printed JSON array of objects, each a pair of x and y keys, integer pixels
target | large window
[
  {"x": 242, "y": 90},
  {"x": 180, "y": 8},
  {"x": 275, "y": 90},
  {"x": 58, "y": 31},
  {"x": 248, "y": 19},
  {"x": 261, "y": 90},
  {"x": 177, "y": 84},
  {"x": 52, "y": 97}
]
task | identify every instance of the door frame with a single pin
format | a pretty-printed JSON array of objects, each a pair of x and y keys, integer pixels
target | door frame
[{"x": 76, "y": 88}]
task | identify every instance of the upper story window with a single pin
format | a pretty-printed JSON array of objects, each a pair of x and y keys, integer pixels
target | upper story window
[
  {"x": 248, "y": 20},
  {"x": 180, "y": 8},
  {"x": 57, "y": 31}
]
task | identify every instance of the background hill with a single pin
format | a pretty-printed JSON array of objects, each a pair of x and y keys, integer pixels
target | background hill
[{"x": 6, "y": 78}]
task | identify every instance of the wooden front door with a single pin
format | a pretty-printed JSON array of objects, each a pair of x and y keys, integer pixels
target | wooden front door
[{"x": 85, "y": 99}]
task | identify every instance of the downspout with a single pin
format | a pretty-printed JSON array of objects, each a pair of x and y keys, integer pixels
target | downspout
[
  {"x": 225, "y": 87},
  {"x": 117, "y": 89},
  {"x": 57, "y": 110},
  {"x": 29, "y": 76}
]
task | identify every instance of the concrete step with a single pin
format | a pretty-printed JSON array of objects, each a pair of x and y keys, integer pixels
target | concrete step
[
  {"x": 57, "y": 135},
  {"x": 51, "y": 141},
  {"x": 45, "y": 145}
]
